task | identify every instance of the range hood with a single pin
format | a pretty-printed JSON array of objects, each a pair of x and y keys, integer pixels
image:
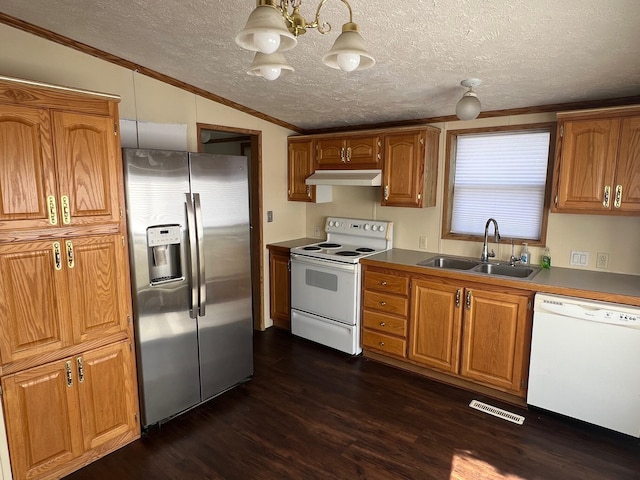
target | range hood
[{"x": 367, "y": 178}]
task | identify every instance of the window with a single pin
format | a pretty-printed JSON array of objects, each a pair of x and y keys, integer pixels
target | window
[{"x": 500, "y": 173}]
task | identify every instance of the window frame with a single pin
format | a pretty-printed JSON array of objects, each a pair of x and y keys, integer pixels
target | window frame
[{"x": 449, "y": 178}]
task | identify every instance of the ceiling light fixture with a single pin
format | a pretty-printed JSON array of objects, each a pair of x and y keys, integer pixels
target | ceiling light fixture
[
  {"x": 468, "y": 106},
  {"x": 272, "y": 29}
]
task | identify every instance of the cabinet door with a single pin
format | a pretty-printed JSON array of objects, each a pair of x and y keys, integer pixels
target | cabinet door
[
  {"x": 33, "y": 300},
  {"x": 27, "y": 169},
  {"x": 107, "y": 391},
  {"x": 43, "y": 421},
  {"x": 280, "y": 290},
  {"x": 628, "y": 173},
  {"x": 97, "y": 285},
  {"x": 494, "y": 339},
  {"x": 587, "y": 164},
  {"x": 436, "y": 315},
  {"x": 363, "y": 152},
  {"x": 300, "y": 167},
  {"x": 403, "y": 170},
  {"x": 86, "y": 148},
  {"x": 330, "y": 153}
]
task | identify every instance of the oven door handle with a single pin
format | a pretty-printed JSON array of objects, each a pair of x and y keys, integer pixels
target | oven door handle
[{"x": 318, "y": 262}]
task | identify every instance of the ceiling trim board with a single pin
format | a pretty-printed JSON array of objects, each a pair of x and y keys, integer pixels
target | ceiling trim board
[{"x": 106, "y": 56}]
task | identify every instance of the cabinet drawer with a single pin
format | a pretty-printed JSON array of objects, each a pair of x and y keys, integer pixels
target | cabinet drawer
[
  {"x": 384, "y": 343},
  {"x": 384, "y": 323},
  {"x": 383, "y": 302},
  {"x": 383, "y": 282}
]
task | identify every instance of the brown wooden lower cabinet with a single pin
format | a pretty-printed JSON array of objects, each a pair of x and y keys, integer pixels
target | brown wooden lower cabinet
[
  {"x": 67, "y": 413},
  {"x": 469, "y": 331},
  {"x": 279, "y": 287}
]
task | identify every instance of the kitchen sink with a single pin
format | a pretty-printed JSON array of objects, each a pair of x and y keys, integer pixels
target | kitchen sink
[
  {"x": 476, "y": 266},
  {"x": 507, "y": 270},
  {"x": 450, "y": 262}
]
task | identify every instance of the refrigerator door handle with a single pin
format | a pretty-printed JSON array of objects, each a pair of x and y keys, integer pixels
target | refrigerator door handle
[
  {"x": 191, "y": 233},
  {"x": 202, "y": 301}
]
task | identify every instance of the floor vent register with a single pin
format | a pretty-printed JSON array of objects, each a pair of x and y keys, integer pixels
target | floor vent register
[{"x": 497, "y": 412}]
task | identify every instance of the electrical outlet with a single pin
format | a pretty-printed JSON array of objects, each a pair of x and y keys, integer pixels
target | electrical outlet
[
  {"x": 422, "y": 242},
  {"x": 602, "y": 260},
  {"x": 579, "y": 258},
  {"x": 316, "y": 231},
  {"x": 269, "y": 216}
]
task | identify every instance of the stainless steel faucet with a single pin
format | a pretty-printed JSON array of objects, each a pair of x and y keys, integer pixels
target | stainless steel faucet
[{"x": 485, "y": 247}]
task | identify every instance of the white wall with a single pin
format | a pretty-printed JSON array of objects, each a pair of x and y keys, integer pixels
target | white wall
[
  {"x": 617, "y": 236},
  {"x": 30, "y": 57}
]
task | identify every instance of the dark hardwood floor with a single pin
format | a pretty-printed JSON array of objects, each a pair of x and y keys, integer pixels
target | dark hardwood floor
[{"x": 313, "y": 413}]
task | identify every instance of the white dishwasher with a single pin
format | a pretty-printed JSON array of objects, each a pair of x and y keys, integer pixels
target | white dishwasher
[{"x": 585, "y": 361}]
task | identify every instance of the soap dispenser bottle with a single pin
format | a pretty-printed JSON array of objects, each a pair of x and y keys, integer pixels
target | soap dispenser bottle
[
  {"x": 546, "y": 258},
  {"x": 525, "y": 256}
]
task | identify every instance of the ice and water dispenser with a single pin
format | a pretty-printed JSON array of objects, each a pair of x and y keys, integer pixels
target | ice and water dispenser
[{"x": 163, "y": 245}]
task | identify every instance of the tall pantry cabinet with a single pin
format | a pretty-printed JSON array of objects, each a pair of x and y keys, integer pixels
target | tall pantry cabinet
[{"x": 69, "y": 389}]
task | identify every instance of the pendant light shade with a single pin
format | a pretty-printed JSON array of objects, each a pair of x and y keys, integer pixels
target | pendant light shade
[
  {"x": 349, "y": 51},
  {"x": 468, "y": 106},
  {"x": 266, "y": 31},
  {"x": 269, "y": 66}
]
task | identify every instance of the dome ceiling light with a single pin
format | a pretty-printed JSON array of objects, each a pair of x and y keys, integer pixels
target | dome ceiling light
[
  {"x": 468, "y": 106},
  {"x": 272, "y": 29}
]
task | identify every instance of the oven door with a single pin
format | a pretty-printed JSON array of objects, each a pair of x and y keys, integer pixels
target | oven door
[{"x": 325, "y": 288}]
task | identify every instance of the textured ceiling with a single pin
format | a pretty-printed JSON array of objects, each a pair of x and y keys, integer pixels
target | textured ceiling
[{"x": 527, "y": 52}]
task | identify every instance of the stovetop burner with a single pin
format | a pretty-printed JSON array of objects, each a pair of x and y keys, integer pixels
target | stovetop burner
[
  {"x": 329, "y": 245},
  {"x": 365, "y": 250},
  {"x": 311, "y": 247},
  {"x": 348, "y": 253}
]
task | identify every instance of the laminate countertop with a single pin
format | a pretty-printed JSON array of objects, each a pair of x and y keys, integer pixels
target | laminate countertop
[{"x": 594, "y": 285}]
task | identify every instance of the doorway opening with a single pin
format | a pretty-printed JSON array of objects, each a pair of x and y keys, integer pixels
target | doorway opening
[{"x": 223, "y": 140}]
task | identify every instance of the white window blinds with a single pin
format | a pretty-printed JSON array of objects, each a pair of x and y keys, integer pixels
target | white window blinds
[{"x": 500, "y": 175}]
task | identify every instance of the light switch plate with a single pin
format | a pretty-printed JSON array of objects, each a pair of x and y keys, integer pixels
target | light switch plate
[{"x": 579, "y": 258}]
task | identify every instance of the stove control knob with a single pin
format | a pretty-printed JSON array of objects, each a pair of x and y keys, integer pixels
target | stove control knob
[
  {"x": 382, "y": 228},
  {"x": 331, "y": 223},
  {"x": 374, "y": 228},
  {"x": 367, "y": 226}
]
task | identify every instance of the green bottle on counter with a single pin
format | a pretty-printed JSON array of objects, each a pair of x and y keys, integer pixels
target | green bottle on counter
[{"x": 546, "y": 258}]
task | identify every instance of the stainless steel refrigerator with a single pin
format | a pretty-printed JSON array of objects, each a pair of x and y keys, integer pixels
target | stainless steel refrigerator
[{"x": 189, "y": 235}]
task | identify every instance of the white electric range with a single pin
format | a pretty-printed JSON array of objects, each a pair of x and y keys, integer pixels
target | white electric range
[{"x": 325, "y": 281}]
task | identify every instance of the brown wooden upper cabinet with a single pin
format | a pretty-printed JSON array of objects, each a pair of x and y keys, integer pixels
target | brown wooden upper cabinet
[
  {"x": 58, "y": 168},
  {"x": 598, "y": 162},
  {"x": 301, "y": 160},
  {"x": 409, "y": 172},
  {"x": 337, "y": 153}
]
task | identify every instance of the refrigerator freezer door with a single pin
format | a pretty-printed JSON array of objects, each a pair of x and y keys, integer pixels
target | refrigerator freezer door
[
  {"x": 167, "y": 342},
  {"x": 226, "y": 328}
]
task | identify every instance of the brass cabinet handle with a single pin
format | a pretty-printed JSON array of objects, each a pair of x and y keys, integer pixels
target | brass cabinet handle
[
  {"x": 381, "y": 344},
  {"x": 469, "y": 300},
  {"x": 66, "y": 213},
  {"x": 309, "y": 191},
  {"x": 618, "y": 200},
  {"x": 67, "y": 368},
  {"x": 386, "y": 192},
  {"x": 382, "y": 324},
  {"x": 342, "y": 154},
  {"x": 70, "y": 260},
  {"x": 458, "y": 298},
  {"x": 348, "y": 154},
  {"x": 607, "y": 193},
  {"x": 383, "y": 303},
  {"x": 57, "y": 259},
  {"x": 383, "y": 283},
  {"x": 80, "y": 364},
  {"x": 53, "y": 211}
]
